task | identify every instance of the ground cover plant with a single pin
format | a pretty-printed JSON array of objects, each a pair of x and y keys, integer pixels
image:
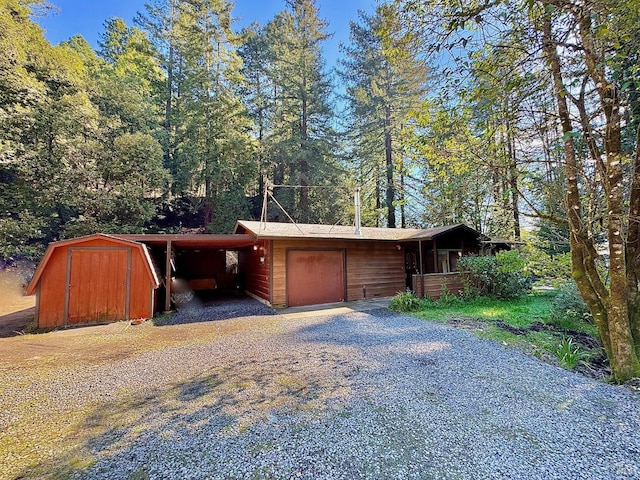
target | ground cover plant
[{"x": 548, "y": 324}]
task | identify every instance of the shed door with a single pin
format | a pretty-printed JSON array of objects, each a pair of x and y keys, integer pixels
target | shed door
[
  {"x": 314, "y": 277},
  {"x": 98, "y": 285}
]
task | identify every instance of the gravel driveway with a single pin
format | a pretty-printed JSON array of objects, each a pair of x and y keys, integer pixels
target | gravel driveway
[{"x": 361, "y": 395}]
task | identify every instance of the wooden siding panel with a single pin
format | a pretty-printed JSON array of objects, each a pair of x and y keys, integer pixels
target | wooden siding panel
[
  {"x": 376, "y": 269},
  {"x": 254, "y": 272},
  {"x": 51, "y": 291},
  {"x": 434, "y": 283},
  {"x": 141, "y": 288},
  {"x": 377, "y": 265}
]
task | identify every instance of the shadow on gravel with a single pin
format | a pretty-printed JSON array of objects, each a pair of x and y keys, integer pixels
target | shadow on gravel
[
  {"x": 148, "y": 434},
  {"x": 367, "y": 331},
  {"x": 315, "y": 402},
  {"x": 214, "y": 308}
]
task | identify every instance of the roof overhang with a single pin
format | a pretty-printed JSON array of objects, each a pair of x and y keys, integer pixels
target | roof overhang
[
  {"x": 194, "y": 241},
  {"x": 276, "y": 230}
]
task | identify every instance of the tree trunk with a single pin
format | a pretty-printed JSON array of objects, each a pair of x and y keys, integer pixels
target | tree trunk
[
  {"x": 303, "y": 205},
  {"x": 633, "y": 247},
  {"x": 609, "y": 307},
  {"x": 513, "y": 181},
  {"x": 391, "y": 193}
]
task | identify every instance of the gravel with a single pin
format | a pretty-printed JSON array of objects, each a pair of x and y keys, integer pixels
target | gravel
[
  {"x": 363, "y": 395},
  {"x": 223, "y": 308}
]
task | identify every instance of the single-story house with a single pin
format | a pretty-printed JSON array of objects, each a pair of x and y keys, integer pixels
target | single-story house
[
  {"x": 302, "y": 264},
  {"x": 111, "y": 277}
]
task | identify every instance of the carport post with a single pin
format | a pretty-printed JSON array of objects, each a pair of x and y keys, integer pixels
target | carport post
[{"x": 167, "y": 278}]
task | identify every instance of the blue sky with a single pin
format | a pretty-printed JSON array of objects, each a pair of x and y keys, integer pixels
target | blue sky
[{"x": 87, "y": 18}]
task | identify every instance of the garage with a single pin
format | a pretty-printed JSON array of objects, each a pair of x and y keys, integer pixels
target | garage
[{"x": 315, "y": 277}]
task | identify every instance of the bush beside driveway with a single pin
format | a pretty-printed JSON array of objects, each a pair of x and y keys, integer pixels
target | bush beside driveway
[{"x": 348, "y": 395}]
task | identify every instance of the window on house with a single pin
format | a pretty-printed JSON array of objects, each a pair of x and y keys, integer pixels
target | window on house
[{"x": 448, "y": 260}]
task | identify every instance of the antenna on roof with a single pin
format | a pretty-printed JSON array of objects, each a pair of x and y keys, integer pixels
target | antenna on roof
[
  {"x": 356, "y": 198},
  {"x": 268, "y": 193}
]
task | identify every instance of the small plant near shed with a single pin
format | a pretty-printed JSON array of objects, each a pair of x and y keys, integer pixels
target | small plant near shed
[
  {"x": 569, "y": 354},
  {"x": 405, "y": 302}
]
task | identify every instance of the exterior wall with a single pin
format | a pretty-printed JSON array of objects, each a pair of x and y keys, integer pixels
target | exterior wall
[
  {"x": 376, "y": 266},
  {"x": 255, "y": 274},
  {"x": 434, "y": 282},
  {"x": 141, "y": 291},
  {"x": 52, "y": 288},
  {"x": 52, "y": 291}
]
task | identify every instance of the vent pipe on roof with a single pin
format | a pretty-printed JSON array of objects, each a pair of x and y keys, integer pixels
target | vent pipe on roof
[{"x": 356, "y": 198}]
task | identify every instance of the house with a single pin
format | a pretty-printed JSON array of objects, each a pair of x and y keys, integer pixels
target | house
[
  {"x": 303, "y": 264},
  {"x": 103, "y": 278}
]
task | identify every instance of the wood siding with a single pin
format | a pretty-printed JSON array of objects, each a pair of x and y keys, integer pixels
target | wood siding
[
  {"x": 108, "y": 280},
  {"x": 255, "y": 273},
  {"x": 52, "y": 291},
  {"x": 434, "y": 282},
  {"x": 372, "y": 268}
]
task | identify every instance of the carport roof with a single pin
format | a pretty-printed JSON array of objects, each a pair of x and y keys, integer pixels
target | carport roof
[
  {"x": 233, "y": 241},
  {"x": 342, "y": 232}
]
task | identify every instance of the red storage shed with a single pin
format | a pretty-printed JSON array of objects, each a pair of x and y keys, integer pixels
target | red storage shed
[{"x": 94, "y": 279}]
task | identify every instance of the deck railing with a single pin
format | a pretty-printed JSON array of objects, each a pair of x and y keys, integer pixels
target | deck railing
[{"x": 433, "y": 284}]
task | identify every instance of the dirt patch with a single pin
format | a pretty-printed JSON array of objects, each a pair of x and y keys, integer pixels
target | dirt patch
[
  {"x": 16, "y": 323},
  {"x": 16, "y": 309}
]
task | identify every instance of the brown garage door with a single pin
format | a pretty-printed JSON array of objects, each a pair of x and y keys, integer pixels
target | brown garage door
[
  {"x": 315, "y": 276},
  {"x": 98, "y": 285}
]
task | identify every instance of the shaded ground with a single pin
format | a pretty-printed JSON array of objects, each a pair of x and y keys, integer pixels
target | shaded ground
[
  {"x": 215, "y": 306},
  {"x": 594, "y": 366},
  {"x": 16, "y": 323}
]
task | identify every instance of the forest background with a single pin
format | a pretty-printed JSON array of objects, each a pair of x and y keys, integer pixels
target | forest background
[{"x": 179, "y": 120}]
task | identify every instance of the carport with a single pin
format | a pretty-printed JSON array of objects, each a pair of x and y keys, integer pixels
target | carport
[{"x": 198, "y": 260}]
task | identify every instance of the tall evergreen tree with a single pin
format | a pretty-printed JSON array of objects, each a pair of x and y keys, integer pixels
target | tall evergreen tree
[
  {"x": 215, "y": 153},
  {"x": 385, "y": 80},
  {"x": 301, "y": 142},
  {"x": 208, "y": 147}
]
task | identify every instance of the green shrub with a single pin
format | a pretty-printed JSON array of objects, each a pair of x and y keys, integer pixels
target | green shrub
[
  {"x": 500, "y": 276},
  {"x": 542, "y": 265},
  {"x": 569, "y": 354},
  {"x": 447, "y": 299},
  {"x": 568, "y": 308},
  {"x": 405, "y": 302}
]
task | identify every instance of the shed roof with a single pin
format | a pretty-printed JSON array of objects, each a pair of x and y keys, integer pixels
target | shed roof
[
  {"x": 31, "y": 289},
  {"x": 342, "y": 232}
]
